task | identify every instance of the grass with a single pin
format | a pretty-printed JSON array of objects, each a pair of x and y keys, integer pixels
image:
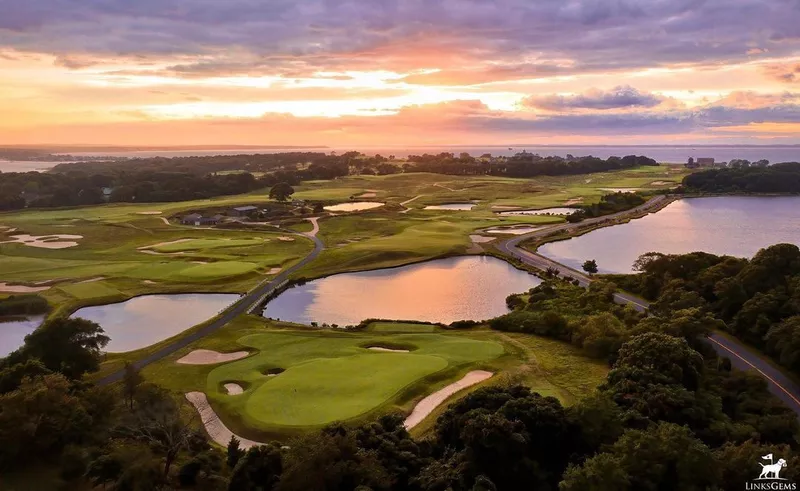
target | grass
[{"x": 330, "y": 375}]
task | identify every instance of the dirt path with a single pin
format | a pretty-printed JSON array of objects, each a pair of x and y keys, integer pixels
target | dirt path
[
  {"x": 404, "y": 203},
  {"x": 216, "y": 429},
  {"x": 163, "y": 219},
  {"x": 315, "y": 222},
  {"x": 427, "y": 405}
]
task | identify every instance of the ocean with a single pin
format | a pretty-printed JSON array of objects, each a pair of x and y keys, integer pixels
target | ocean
[{"x": 663, "y": 154}]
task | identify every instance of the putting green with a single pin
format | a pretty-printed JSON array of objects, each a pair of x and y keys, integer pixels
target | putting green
[{"x": 332, "y": 376}]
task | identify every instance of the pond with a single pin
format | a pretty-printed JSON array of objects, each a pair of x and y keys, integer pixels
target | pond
[
  {"x": 733, "y": 225},
  {"x": 545, "y": 211},
  {"x": 444, "y": 290},
  {"x": 355, "y": 206},
  {"x": 452, "y": 207},
  {"x": 12, "y": 334},
  {"x": 146, "y": 320}
]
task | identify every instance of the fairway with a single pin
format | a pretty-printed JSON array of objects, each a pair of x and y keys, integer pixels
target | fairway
[
  {"x": 330, "y": 376},
  {"x": 402, "y": 327}
]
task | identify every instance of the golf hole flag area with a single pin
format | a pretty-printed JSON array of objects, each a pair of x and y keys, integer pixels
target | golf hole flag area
[{"x": 330, "y": 377}]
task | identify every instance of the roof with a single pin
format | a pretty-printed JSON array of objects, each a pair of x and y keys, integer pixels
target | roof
[
  {"x": 193, "y": 216},
  {"x": 218, "y": 217},
  {"x": 246, "y": 208}
]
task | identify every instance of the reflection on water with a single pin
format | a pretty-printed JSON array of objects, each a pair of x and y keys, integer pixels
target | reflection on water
[
  {"x": 142, "y": 321},
  {"x": 545, "y": 211},
  {"x": 355, "y": 206},
  {"x": 444, "y": 290},
  {"x": 12, "y": 334},
  {"x": 452, "y": 206},
  {"x": 736, "y": 226}
]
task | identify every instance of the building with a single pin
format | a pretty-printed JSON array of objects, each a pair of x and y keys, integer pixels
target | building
[
  {"x": 243, "y": 211},
  {"x": 700, "y": 162},
  {"x": 193, "y": 219}
]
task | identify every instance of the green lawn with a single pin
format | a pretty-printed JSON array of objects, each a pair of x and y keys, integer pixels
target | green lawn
[{"x": 330, "y": 375}]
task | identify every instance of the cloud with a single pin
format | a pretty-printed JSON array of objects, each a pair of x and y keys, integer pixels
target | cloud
[
  {"x": 73, "y": 63},
  {"x": 519, "y": 38},
  {"x": 620, "y": 97},
  {"x": 784, "y": 72}
]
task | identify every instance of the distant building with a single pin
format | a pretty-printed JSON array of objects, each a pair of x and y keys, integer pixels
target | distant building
[
  {"x": 193, "y": 219},
  {"x": 700, "y": 162},
  {"x": 298, "y": 202},
  {"x": 107, "y": 193},
  {"x": 243, "y": 211}
]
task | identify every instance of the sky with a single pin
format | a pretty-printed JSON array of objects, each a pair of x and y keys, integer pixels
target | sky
[{"x": 399, "y": 72}]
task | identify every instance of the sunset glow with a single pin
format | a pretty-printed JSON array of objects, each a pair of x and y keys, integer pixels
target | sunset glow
[{"x": 393, "y": 73}]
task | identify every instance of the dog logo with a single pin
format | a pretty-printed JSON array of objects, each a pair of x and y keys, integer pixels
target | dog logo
[
  {"x": 770, "y": 478},
  {"x": 773, "y": 470}
]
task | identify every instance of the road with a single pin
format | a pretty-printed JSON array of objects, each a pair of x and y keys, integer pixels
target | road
[
  {"x": 241, "y": 306},
  {"x": 742, "y": 357}
]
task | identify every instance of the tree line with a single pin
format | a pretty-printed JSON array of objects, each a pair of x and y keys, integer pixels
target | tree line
[
  {"x": 757, "y": 300},
  {"x": 777, "y": 178}
]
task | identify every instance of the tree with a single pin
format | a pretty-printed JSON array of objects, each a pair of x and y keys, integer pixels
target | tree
[
  {"x": 234, "y": 452},
  {"x": 70, "y": 346},
  {"x": 131, "y": 380},
  {"x": 663, "y": 457},
  {"x": 281, "y": 191},
  {"x": 157, "y": 420},
  {"x": 590, "y": 266}
]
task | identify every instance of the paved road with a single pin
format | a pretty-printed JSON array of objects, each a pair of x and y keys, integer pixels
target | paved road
[
  {"x": 242, "y": 306},
  {"x": 742, "y": 357}
]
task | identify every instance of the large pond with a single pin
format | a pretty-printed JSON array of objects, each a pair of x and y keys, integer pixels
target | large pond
[
  {"x": 444, "y": 290},
  {"x": 736, "y": 226},
  {"x": 12, "y": 334},
  {"x": 142, "y": 321}
]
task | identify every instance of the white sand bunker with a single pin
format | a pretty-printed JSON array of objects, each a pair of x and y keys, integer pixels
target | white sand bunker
[
  {"x": 660, "y": 183},
  {"x": 45, "y": 241},
  {"x": 480, "y": 239},
  {"x": 234, "y": 389},
  {"x": 367, "y": 195},
  {"x": 388, "y": 350},
  {"x": 427, "y": 405},
  {"x": 208, "y": 357},
  {"x": 6, "y": 288},
  {"x": 215, "y": 428},
  {"x": 573, "y": 201},
  {"x": 286, "y": 239},
  {"x": 148, "y": 212},
  {"x": 274, "y": 271}
]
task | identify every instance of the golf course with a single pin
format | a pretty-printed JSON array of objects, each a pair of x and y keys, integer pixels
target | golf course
[{"x": 293, "y": 377}]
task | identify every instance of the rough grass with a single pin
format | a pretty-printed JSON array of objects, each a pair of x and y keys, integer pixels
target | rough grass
[{"x": 401, "y": 327}]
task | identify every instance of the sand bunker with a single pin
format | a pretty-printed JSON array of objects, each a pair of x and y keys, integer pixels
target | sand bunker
[
  {"x": 660, "y": 183},
  {"x": 480, "y": 239},
  {"x": 274, "y": 271},
  {"x": 215, "y": 428},
  {"x": 286, "y": 239},
  {"x": 573, "y": 201},
  {"x": 208, "y": 357},
  {"x": 148, "y": 212},
  {"x": 427, "y": 405},
  {"x": 388, "y": 350},
  {"x": 45, "y": 241},
  {"x": 234, "y": 389},
  {"x": 6, "y": 288},
  {"x": 149, "y": 282},
  {"x": 367, "y": 195}
]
